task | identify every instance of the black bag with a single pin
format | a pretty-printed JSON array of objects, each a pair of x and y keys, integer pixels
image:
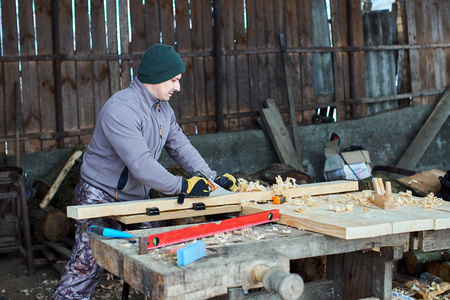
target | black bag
[{"x": 445, "y": 186}]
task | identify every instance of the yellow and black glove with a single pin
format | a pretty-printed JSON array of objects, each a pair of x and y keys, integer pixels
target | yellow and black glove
[
  {"x": 194, "y": 187},
  {"x": 227, "y": 181}
]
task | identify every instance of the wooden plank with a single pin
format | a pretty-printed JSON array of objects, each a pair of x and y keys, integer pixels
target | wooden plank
[
  {"x": 444, "y": 9},
  {"x": 10, "y": 69},
  {"x": 138, "y": 43},
  {"x": 30, "y": 103},
  {"x": 290, "y": 95},
  {"x": 112, "y": 48},
  {"x": 360, "y": 222},
  {"x": 177, "y": 214},
  {"x": 440, "y": 218},
  {"x": 184, "y": 106},
  {"x": 347, "y": 225},
  {"x": 423, "y": 183},
  {"x": 84, "y": 80},
  {"x": 68, "y": 73},
  {"x": 209, "y": 76},
  {"x": 427, "y": 133},
  {"x": 200, "y": 99},
  {"x": 126, "y": 66},
  {"x": 306, "y": 59},
  {"x": 100, "y": 71},
  {"x": 279, "y": 135},
  {"x": 45, "y": 72},
  {"x": 166, "y": 204},
  {"x": 167, "y": 20},
  {"x": 433, "y": 240}
]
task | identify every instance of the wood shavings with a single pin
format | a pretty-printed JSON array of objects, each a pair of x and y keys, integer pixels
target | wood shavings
[
  {"x": 242, "y": 231},
  {"x": 428, "y": 202},
  {"x": 245, "y": 186},
  {"x": 421, "y": 290},
  {"x": 281, "y": 187},
  {"x": 301, "y": 210},
  {"x": 285, "y": 231},
  {"x": 413, "y": 181},
  {"x": 343, "y": 208}
]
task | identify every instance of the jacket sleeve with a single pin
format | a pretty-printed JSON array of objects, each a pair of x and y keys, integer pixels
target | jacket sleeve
[
  {"x": 123, "y": 130},
  {"x": 183, "y": 153}
]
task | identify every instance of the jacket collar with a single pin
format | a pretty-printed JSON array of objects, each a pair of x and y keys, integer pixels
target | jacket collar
[{"x": 147, "y": 97}]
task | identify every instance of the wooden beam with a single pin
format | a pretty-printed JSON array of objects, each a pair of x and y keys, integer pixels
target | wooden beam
[
  {"x": 167, "y": 204},
  {"x": 427, "y": 133},
  {"x": 279, "y": 135}
]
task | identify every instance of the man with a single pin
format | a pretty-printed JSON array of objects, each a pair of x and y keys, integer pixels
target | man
[{"x": 121, "y": 164}]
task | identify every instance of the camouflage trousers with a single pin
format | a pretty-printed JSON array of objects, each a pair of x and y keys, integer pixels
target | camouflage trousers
[{"x": 82, "y": 273}]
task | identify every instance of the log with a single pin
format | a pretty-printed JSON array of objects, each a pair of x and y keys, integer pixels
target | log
[
  {"x": 433, "y": 268},
  {"x": 54, "y": 188},
  {"x": 56, "y": 225},
  {"x": 444, "y": 271},
  {"x": 416, "y": 260},
  {"x": 49, "y": 223}
]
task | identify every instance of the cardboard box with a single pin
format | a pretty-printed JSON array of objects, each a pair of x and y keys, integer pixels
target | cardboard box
[{"x": 356, "y": 157}]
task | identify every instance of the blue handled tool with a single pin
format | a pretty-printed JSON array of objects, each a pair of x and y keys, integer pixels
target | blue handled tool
[{"x": 109, "y": 232}]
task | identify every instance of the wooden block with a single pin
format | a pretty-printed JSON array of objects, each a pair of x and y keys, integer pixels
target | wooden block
[{"x": 383, "y": 202}]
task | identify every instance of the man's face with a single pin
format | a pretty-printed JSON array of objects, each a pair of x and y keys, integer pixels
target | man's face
[{"x": 164, "y": 90}]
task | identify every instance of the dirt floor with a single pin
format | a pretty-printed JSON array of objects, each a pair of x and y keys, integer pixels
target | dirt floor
[{"x": 15, "y": 284}]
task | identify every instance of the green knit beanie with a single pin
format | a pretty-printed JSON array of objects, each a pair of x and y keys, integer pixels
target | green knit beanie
[{"x": 160, "y": 63}]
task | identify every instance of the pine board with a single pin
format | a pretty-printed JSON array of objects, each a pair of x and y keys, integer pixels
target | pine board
[
  {"x": 168, "y": 204},
  {"x": 358, "y": 223},
  {"x": 440, "y": 218}
]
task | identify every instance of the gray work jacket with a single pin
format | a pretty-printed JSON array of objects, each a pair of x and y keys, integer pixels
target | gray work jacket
[{"x": 132, "y": 129}]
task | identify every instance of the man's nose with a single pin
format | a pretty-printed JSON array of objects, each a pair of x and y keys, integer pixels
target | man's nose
[{"x": 177, "y": 87}]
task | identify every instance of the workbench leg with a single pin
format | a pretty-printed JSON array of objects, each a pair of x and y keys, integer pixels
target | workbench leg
[
  {"x": 125, "y": 291},
  {"x": 334, "y": 272},
  {"x": 382, "y": 273}
]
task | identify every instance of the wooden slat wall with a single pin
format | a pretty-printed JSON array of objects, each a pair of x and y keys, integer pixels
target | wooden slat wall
[
  {"x": 102, "y": 58},
  {"x": 428, "y": 23}
]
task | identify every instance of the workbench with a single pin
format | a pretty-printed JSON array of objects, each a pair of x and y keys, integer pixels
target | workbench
[
  {"x": 229, "y": 263},
  {"x": 358, "y": 240}
]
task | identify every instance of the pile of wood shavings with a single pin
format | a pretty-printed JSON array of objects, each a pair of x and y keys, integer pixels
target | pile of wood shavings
[
  {"x": 420, "y": 290},
  {"x": 245, "y": 186},
  {"x": 282, "y": 187},
  {"x": 407, "y": 199}
]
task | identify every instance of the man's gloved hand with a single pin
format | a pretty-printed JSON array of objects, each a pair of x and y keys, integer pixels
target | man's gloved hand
[
  {"x": 227, "y": 181},
  {"x": 194, "y": 187}
]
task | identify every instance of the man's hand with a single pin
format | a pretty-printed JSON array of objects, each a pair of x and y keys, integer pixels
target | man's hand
[
  {"x": 194, "y": 187},
  {"x": 227, "y": 181}
]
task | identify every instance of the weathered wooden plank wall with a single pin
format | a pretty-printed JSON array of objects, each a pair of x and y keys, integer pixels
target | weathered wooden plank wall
[{"x": 70, "y": 60}]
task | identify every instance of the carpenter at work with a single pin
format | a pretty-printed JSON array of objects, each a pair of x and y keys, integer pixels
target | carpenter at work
[{"x": 121, "y": 161}]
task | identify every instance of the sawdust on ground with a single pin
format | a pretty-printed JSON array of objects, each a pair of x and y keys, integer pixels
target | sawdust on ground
[{"x": 15, "y": 284}]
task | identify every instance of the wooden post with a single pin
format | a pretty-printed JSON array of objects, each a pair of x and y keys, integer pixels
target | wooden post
[
  {"x": 57, "y": 73},
  {"x": 382, "y": 273},
  {"x": 18, "y": 114}
]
